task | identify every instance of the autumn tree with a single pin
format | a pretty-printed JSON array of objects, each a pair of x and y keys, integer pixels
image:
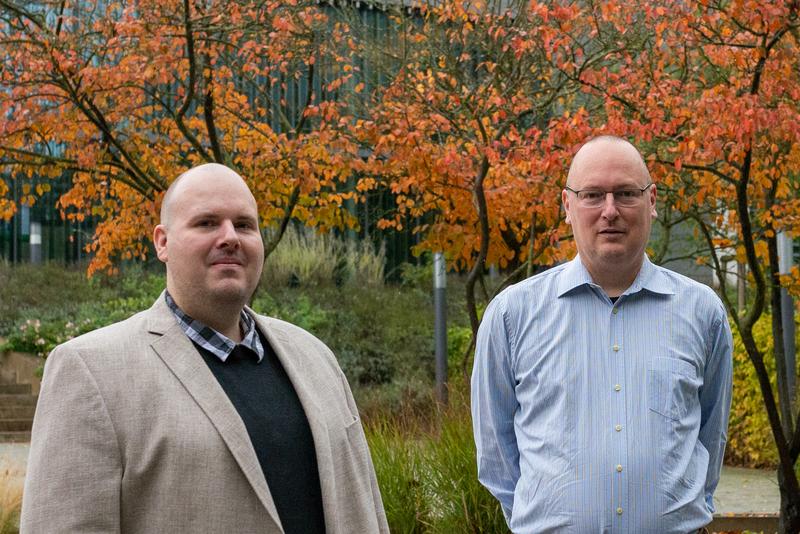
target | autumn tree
[
  {"x": 472, "y": 134},
  {"x": 125, "y": 96},
  {"x": 711, "y": 89}
]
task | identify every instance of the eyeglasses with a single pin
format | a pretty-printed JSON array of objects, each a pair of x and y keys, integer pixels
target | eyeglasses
[{"x": 594, "y": 198}]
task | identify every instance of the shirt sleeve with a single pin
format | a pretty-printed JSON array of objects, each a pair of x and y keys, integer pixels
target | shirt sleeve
[
  {"x": 494, "y": 404},
  {"x": 715, "y": 400},
  {"x": 74, "y": 469}
]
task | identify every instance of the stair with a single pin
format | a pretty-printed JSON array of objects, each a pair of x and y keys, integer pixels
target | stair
[{"x": 17, "y": 405}]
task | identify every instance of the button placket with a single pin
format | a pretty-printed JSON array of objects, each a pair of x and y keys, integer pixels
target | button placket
[{"x": 617, "y": 365}]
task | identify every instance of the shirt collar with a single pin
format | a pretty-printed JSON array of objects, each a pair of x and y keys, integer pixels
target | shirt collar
[
  {"x": 649, "y": 277},
  {"x": 217, "y": 344}
]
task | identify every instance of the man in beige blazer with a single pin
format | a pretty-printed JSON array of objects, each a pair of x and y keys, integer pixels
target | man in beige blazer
[{"x": 199, "y": 415}]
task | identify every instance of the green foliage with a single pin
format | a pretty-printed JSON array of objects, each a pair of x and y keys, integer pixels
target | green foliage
[
  {"x": 311, "y": 259},
  {"x": 428, "y": 475},
  {"x": 397, "y": 462},
  {"x": 458, "y": 341},
  {"x": 750, "y": 440},
  {"x": 48, "y": 288},
  {"x": 299, "y": 310},
  {"x": 39, "y": 338},
  {"x": 51, "y": 318},
  {"x": 376, "y": 333},
  {"x": 417, "y": 276}
]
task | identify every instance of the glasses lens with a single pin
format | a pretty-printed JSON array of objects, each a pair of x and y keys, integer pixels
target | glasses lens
[
  {"x": 627, "y": 197},
  {"x": 591, "y": 197},
  {"x": 596, "y": 197}
]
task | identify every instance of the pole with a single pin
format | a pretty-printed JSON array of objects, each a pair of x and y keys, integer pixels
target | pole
[
  {"x": 36, "y": 242},
  {"x": 785, "y": 261},
  {"x": 440, "y": 325}
]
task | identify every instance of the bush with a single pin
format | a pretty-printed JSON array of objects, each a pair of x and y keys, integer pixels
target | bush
[
  {"x": 427, "y": 472},
  {"x": 418, "y": 276},
  {"x": 310, "y": 259},
  {"x": 750, "y": 441},
  {"x": 376, "y": 333},
  {"x": 26, "y": 291},
  {"x": 86, "y": 306}
]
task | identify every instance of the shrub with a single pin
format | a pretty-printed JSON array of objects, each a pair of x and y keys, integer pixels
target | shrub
[
  {"x": 427, "y": 472},
  {"x": 750, "y": 439},
  {"x": 397, "y": 462},
  {"x": 418, "y": 276},
  {"x": 310, "y": 259},
  {"x": 26, "y": 289},
  {"x": 41, "y": 327}
]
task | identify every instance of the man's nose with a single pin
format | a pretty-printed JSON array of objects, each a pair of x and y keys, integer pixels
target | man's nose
[
  {"x": 228, "y": 237},
  {"x": 610, "y": 210}
]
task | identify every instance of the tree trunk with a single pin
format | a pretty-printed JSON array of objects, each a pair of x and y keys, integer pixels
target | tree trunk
[
  {"x": 789, "y": 522},
  {"x": 477, "y": 268}
]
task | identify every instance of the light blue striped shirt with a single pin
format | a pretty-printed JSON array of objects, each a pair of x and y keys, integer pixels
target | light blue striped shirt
[{"x": 598, "y": 417}]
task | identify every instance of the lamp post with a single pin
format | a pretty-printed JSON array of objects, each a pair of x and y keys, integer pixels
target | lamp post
[
  {"x": 440, "y": 325},
  {"x": 785, "y": 261},
  {"x": 36, "y": 242}
]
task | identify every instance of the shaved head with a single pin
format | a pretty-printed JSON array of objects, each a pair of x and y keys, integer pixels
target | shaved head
[
  {"x": 207, "y": 170},
  {"x": 591, "y": 147}
]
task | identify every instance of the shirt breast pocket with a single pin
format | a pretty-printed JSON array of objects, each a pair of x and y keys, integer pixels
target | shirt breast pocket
[{"x": 672, "y": 386}]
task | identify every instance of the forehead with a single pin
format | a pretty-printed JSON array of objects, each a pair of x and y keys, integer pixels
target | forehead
[
  {"x": 607, "y": 165},
  {"x": 211, "y": 193}
]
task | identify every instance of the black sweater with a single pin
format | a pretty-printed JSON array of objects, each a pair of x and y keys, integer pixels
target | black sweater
[{"x": 268, "y": 404}]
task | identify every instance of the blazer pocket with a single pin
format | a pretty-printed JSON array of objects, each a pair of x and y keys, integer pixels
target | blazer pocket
[{"x": 672, "y": 386}]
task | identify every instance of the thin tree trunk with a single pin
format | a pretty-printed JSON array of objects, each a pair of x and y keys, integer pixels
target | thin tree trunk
[{"x": 480, "y": 260}]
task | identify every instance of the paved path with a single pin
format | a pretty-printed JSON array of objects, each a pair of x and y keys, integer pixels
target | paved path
[
  {"x": 740, "y": 491},
  {"x": 747, "y": 491}
]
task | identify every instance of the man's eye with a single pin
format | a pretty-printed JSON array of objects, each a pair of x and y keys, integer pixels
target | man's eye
[
  {"x": 205, "y": 223},
  {"x": 592, "y": 195},
  {"x": 626, "y": 193}
]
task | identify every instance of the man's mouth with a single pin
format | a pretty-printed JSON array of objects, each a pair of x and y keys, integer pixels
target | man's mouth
[
  {"x": 611, "y": 231},
  {"x": 226, "y": 261}
]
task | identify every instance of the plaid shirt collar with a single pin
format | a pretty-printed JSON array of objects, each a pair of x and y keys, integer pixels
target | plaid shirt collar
[{"x": 211, "y": 340}]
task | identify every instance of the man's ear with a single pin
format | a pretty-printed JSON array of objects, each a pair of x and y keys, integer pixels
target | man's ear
[
  {"x": 652, "y": 199},
  {"x": 565, "y": 203},
  {"x": 160, "y": 242}
]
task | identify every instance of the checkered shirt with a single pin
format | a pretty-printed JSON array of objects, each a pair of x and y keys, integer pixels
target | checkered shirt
[{"x": 211, "y": 340}]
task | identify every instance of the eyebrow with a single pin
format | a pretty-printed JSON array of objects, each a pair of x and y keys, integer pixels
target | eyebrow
[{"x": 213, "y": 215}]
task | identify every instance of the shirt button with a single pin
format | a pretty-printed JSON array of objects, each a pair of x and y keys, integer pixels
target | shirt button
[
  {"x": 616, "y": 348},
  {"x": 615, "y": 311},
  {"x": 619, "y": 469},
  {"x": 617, "y": 387},
  {"x": 619, "y": 511},
  {"x": 618, "y": 428}
]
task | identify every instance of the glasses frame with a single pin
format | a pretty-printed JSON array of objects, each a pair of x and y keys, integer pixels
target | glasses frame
[{"x": 605, "y": 193}]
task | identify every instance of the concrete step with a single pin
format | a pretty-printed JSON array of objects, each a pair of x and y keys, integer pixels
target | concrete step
[
  {"x": 17, "y": 399},
  {"x": 20, "y": 411},
  {"x": 15, "y": 437},
  {"x": 15, "y": 425},
  {"x": 15, "y": 389}
]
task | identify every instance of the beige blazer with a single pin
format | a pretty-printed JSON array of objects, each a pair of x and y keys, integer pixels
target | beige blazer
[{"x": 133, "y": 433}]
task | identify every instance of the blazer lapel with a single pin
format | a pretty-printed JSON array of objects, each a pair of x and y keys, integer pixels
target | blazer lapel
[
  {"x": 286, "y": 350},
  {"x": 182, "y": 358}
]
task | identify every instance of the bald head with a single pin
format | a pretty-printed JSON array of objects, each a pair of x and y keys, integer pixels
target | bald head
[
  {"x": 183, "y": 184},
  {"x": 600, "y": 144}
]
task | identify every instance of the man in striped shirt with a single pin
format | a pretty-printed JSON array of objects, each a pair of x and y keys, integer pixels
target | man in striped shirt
[{"x": 601, "y": 387}]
